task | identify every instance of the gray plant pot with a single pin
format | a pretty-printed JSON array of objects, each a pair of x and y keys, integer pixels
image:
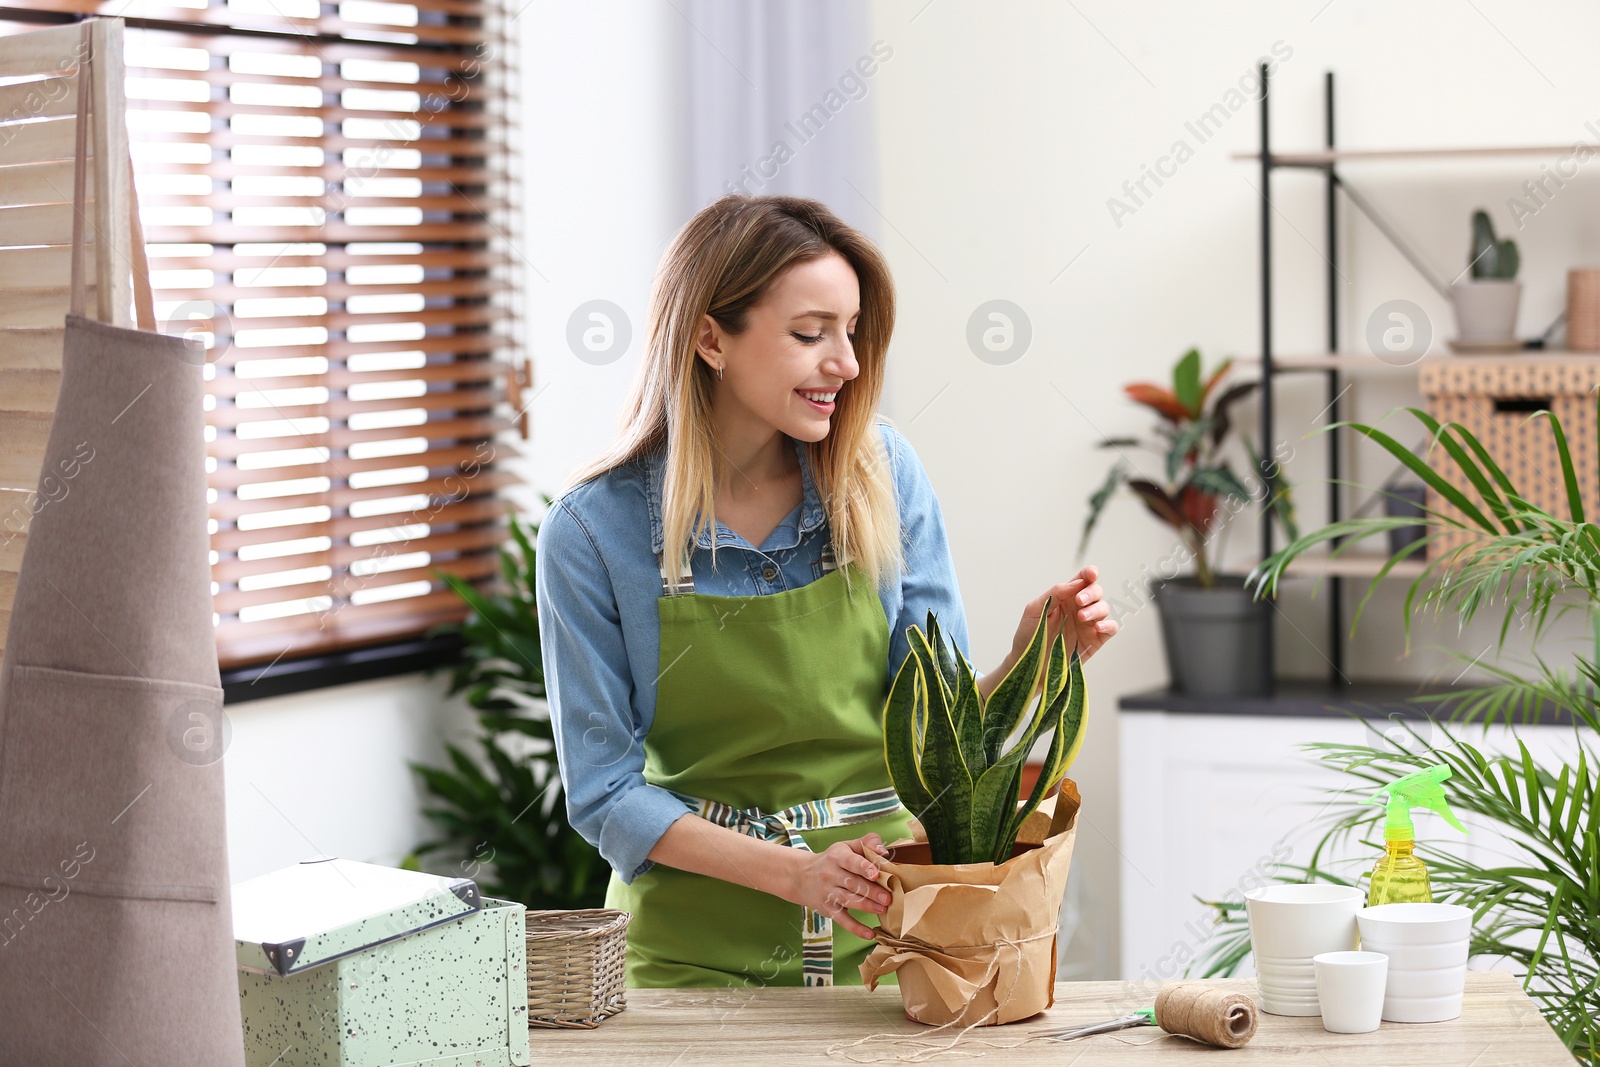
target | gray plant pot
[
  {"x": 1215, "y": 638},
  {"x": 1409, "y": 505}
]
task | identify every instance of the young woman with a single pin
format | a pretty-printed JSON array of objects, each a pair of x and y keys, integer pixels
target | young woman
[{"x": 723, "y": 601}]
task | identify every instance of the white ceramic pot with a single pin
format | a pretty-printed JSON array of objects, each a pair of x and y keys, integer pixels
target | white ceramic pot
[
  {"x": 1427, "y": 948},
  {"x": 1350, "y": 989},
  {"x": 1289, "y": 924},
  {"x": 1486, "y": 310}
]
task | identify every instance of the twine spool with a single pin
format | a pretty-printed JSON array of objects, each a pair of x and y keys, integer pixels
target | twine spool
[
  {"x": 1212, "y": 1016},
  {"x": 1583, "y": 309}
]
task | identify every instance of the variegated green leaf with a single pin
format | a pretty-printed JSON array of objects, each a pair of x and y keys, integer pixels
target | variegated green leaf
[
  {"x": 1055, "y": 674},
  {"x": 900, "y": 745},
  {"x": 965, "y": 705},
  {"x": 993, "y": 800},
  {"x": 942, "y": 654},
  {"x": 1009, "y": 700},
  {"x": 1064, "y": 746},
  {"x": 944, "y": 771}
]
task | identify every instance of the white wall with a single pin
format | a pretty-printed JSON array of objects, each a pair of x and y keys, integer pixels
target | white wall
[
  {"x": 606, "y": 189},
  {"x": 328, "y": 772},
  {"x": 1004, "y": 129}
]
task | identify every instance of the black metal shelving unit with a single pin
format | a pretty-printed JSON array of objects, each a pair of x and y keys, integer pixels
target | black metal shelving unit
[
  {"x": 1334, "y": 390},
  {"x": 1339, "y": 693}
]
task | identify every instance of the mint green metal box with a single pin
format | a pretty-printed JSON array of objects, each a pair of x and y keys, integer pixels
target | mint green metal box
[{"x": 347, "y": 964}]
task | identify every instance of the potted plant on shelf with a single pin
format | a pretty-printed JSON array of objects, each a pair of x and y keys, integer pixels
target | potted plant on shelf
[
  {"x": 1533, "y": 894},
  {"x": 1213, "y": 630},
  {"x": 1486, "y": 303},
  {"x": 970, "y": 929}
]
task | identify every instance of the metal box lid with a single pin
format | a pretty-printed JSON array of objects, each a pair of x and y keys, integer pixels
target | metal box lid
[{"x": 324, "y": 908}]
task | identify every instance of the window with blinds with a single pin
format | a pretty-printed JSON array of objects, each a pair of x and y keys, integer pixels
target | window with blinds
[{"x": 328, "y": 195}]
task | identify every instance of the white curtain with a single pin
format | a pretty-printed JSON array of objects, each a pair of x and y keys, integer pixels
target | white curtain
[{"x": 780, "y": 98}]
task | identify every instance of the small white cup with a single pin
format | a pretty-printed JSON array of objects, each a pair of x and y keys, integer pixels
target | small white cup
[
  {"x": 1289, "y": 924},
  {"x": 1427, "y": 946},
  {"x": 1350, "y": 990}
]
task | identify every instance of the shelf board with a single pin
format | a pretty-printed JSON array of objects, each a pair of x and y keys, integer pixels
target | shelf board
[
  {"x": 1318, "y": 698},
  {"x": 1349, "y": 565},
  {"x": 1352, "y": 565},
  {"x": 1323, "y": 156},
  {"x": 1358, "y": 362},
  {"x": 1299, "y": 697},
  {"x": 1367, "y": 363}
]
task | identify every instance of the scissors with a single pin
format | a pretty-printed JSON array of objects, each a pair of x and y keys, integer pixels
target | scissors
[{"x": 1146, "y": 1017}]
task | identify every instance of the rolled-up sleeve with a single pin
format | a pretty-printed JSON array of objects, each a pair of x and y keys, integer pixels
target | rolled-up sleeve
[
  {"x": 588, "y": 683},
  {"x": 928, "y": 582}
]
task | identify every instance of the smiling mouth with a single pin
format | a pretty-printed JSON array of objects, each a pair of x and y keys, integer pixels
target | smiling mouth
[{"x": 818, "y": 399}]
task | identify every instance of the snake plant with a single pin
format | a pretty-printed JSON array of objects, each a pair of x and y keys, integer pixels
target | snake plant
[{"x": 946, "y": 746}]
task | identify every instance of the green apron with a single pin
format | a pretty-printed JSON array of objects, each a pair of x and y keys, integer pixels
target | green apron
[{"x": 768, "y": 720}]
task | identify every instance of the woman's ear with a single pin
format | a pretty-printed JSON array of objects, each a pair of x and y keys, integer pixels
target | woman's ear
[{"x": 708, "y": 343}]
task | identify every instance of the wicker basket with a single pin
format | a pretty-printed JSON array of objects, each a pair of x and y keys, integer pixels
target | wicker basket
[
  {"x": 576, "y": 967},
  {"x": 1493, "y": 398}
]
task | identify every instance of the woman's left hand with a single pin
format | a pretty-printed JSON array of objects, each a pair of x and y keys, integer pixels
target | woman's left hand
[{"x": 1079, "y": 601}]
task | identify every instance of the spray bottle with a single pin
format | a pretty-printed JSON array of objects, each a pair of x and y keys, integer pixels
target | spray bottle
[{"x": 1400, "y": 877}]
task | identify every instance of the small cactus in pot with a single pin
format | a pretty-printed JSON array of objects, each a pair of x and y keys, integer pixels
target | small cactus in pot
[{"x": 1486, "y": 304}]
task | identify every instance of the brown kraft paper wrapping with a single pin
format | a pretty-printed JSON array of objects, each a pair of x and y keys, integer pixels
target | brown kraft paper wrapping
[{"x": 973, "y": 942}]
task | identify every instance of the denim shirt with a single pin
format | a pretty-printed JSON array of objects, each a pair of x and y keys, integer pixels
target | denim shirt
[{"x": 597, "y": 580}]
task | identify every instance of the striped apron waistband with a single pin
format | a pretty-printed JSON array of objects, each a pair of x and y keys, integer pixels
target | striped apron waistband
[{"x": 783, "y": 827}]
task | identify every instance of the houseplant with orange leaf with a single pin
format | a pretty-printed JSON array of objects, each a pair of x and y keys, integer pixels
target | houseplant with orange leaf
[{"x": 1211, "y": 625}]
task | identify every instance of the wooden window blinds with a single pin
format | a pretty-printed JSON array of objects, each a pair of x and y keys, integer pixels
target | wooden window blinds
[{"x": 328, "y": 192}]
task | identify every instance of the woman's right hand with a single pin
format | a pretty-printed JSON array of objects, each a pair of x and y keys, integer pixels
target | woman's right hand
[{"x": 839, "y": 877}]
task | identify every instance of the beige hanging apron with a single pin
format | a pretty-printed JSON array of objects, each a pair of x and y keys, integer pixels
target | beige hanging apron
[{"x": 116, "y": 941}]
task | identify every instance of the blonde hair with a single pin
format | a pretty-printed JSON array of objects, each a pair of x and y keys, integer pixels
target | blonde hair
[{"x": 723, "y": 262}]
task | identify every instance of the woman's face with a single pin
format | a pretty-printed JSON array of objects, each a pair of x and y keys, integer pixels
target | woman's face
[{"x": 796, "y": 353}]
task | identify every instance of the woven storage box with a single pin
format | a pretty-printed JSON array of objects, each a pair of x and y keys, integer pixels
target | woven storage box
[
  {"x": 1493, "y": 398},
  {"x": 1583, "y": 309},
  {"x": 576, "y": 966}
]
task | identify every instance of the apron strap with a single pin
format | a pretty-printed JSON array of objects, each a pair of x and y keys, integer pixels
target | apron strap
[
  {"x": 683, "y": 584},
  {"x": 144, "y": 308},
  {"x": 816, "y": 929},
  {"x": 671, "y": 585},
  {"x": 80, "y": 163}
]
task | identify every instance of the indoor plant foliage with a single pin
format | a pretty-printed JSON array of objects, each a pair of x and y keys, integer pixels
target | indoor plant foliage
[
  {"x": 1536, "y": 904},
  {"x": 946, "y": 746},
  {"x": 502, "y": 814},
  {"x": 1492, "y": 257},
  {"x": 971, "y": 923},
  {"x": 1194, "y": 427},
  {"x": 1213, "y": 631}
]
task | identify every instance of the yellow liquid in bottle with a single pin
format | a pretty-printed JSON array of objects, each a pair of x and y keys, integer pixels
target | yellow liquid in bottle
[{"x": 1399, "y": 877}]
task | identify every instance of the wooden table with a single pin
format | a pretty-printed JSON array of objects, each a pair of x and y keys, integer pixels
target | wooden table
[{"x": 1499, "y": 1027}]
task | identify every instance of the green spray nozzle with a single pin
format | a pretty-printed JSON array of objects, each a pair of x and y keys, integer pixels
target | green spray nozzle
[{"x": 1419, "y": 790}]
